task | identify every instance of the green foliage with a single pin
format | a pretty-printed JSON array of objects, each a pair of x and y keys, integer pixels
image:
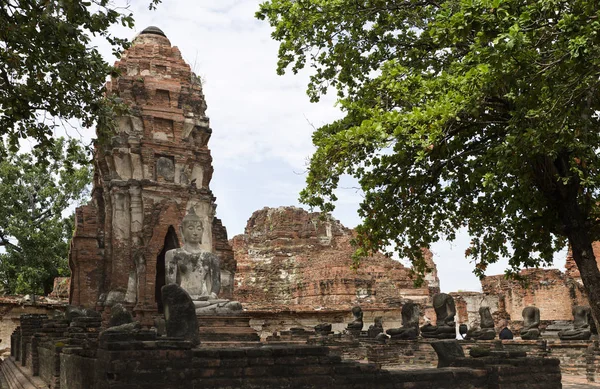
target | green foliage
[
  {"x": 49, "y": 72},
  {"x": 35, "y": 222},
  {"x": 461, "y": 113}
]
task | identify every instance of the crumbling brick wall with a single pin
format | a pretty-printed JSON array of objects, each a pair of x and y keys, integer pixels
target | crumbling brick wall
[
  {"x": 291, "y": 258},
  {"x": 551, "y": 290}
]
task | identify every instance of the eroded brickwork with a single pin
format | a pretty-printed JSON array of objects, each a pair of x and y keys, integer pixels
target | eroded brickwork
[
  {"x": 551, "y": 290},
  {"x": 292, "y": 258},
  {"x": 147, "y": 175}
]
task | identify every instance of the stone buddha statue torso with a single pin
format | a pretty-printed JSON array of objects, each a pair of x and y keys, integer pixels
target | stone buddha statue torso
[{"x": 196, "y": 270}]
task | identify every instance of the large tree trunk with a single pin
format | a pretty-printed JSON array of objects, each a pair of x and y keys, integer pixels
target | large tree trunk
[
  {"x": 576, "y": 230},
  {"x": 563, "y": 198},
  {"x": 581, "y": 245}
]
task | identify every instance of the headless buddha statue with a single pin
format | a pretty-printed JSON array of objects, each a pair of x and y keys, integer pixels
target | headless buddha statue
[
  {"x": 410, "y": 323},
  {"x": 583, "y": 325},
  {"x": 197, "y": 271},
  {"x": 531, "y": 323},
  {"x": 445, "y": 311},
  {"x": 486, "y": 321}
]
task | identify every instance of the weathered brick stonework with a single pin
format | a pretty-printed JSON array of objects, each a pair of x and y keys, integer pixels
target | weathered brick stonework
[
  {"x": 550, "y": 290},
  {"x": 147, "y": 175},
  {"x": 291, "y": 258}
]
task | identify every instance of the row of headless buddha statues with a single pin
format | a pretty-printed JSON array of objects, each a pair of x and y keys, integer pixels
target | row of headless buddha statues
[
  {"x": 445, "y": 327},
  {"x": 582, "y": 329}
]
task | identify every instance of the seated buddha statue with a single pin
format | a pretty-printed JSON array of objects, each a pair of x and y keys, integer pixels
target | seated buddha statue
[
  {"x": 356, "y": 325},
  {"x": 197, "y": 271},
  {"x": 531, "y": 323},
  {"x": 582, "y": 325},
  {"x": 486, "y": 331},
  {"x": 410, "y": 323},
  {"x": 445, "y": 327}
]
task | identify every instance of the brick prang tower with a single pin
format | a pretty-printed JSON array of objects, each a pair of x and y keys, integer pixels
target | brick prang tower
[{"x": 147, "y": 175}]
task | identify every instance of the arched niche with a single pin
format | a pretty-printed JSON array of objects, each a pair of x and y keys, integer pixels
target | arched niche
[{"x": 171, "y": 242}]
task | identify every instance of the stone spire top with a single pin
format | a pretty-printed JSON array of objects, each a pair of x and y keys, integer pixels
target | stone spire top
[
  {"x": 152, "y": 35},
  {"x": 153, "y": 30}
]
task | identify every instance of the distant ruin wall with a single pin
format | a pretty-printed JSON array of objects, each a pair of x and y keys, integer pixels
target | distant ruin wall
[{"x": 550, "y": 290}]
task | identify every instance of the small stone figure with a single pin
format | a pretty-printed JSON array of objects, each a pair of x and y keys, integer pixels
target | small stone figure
[
  {"x": 376, "y": 328},
  {"x": 119, "y": 316},
  {"x": 180, "y": 314},
  {"x": 531, "y": 323},
  {"x": 582, "y": 329},
  {"x": 161, "y": 326},
  {"x": 462, "y": 330},
  {"x": 445, "y": 311},
  {"x": 197, "y": 271},
  {"x": 410, "y": 323},
  {"x": 486, "y": 332},
  {"x": 323, "y": 329},
  {"x": 357, "y": 324}
]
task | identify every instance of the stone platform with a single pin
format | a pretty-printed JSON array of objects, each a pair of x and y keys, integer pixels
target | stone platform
[
  {"x": 139, "y": 359},
  {"x": 224, "y": 329}
]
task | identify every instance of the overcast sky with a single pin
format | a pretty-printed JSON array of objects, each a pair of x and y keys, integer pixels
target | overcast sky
[{"x": 262, "y": 123}]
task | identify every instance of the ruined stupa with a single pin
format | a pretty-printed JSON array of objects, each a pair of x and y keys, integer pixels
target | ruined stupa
[{"x": 147, "y": 176}]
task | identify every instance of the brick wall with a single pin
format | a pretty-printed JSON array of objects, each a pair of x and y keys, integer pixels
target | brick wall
[{"x": 548, "y": 289}]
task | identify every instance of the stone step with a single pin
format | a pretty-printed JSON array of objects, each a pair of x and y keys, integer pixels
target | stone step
[
  {"x": 19, "y": 377},
  {"x": 226, "y": 329},
  {"x": 229, "y": 337},
  {"x": 223, "y": 321},
  {"x": 228, "y": 344}
]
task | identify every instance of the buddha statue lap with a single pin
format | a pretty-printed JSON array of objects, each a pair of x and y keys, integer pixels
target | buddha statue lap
[
  {"x": 445, "y": 327},
  {"x": 197, "y": 271},
  {"x": 531, "y": 323}
]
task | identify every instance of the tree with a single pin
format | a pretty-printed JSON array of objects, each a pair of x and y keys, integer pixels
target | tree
[
  {"x": 461, "y": 113},
  {"x": 35, "y": 222},
  {"x": 48, "y": 70}
]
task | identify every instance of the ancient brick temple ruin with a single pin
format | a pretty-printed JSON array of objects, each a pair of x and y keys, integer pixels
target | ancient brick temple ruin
[
  {"x": 295, "y": 269},
  {"x": 155, "y": 167},
  {"x": 290, "y": 257}
]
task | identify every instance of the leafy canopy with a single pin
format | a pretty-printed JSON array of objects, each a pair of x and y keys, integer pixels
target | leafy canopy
[
  {"x": 36, "y": 221},
  {"x": 461, "y": 113},
  {"x": 49, "y": 72}
]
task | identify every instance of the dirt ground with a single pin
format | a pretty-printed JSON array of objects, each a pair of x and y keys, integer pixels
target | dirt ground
[{"x": 577, "y": 382}]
